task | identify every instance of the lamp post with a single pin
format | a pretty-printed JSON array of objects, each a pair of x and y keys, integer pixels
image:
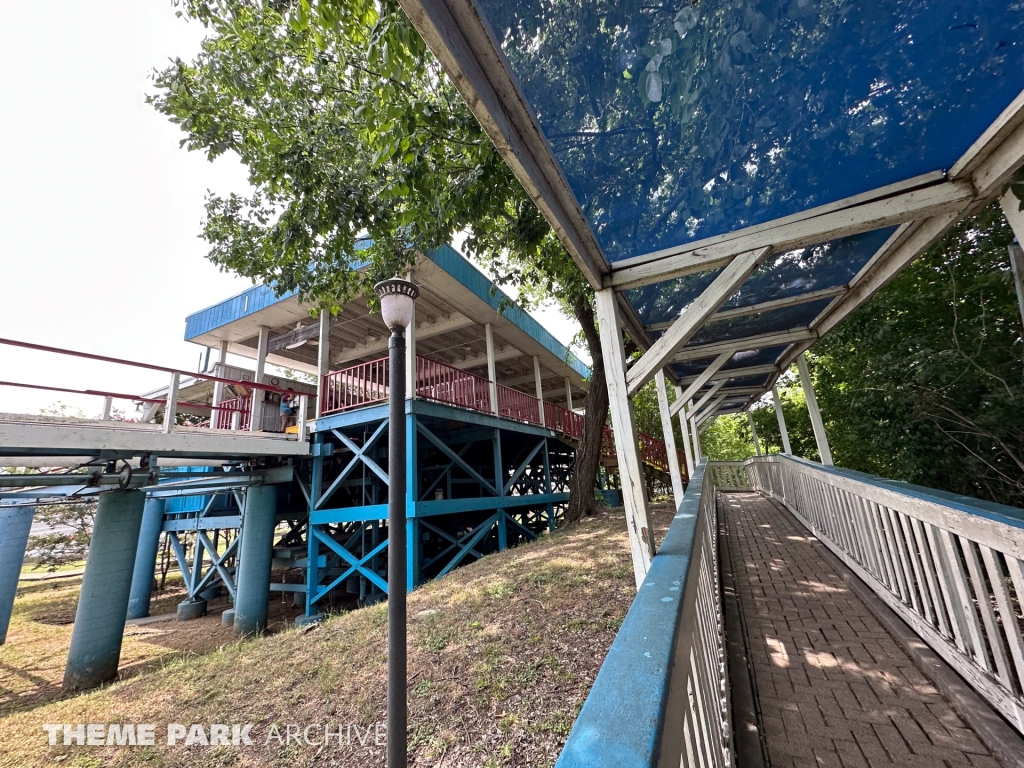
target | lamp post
[{"x": 397, "y": 297}]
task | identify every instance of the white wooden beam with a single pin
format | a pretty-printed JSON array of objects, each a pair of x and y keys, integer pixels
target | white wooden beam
[
  {"x": 815, "y": 413},
  {"x": 1015, "y": 218},
  {"x": 171, "y": 408},
  {"x": 505, "y": 353},
  {"x": 914, "y": 204},
  {"x": 538, "y": 384},
  {"x": 753, "y": 432},
  {"x": 492, "y": 370},
  {"x": 695, "y": 410},
  {"x": 786, "y": 448},
  {"x": 423, "y": 331},
  {"x": 568, "y": 394},
  {"x": 627, "y": 446},
  {"x": 739, "y": 373},
  {"x": 669, "y": 435},
  {"x": 218, "y": 387},
  {"x": 685, "y": 429},
  {"x": 710, "y": 411},
  {"x": 701, "y": 380},
  {"x": 323, "y": 358},
  {"x": 765, "y": 306},
  {"x": 693, "y": 318},
  {"x": 740, "y": 345},
  {"x": 256, "y": 419}
]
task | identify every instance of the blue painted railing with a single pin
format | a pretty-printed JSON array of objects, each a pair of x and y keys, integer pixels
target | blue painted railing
[{"x": 661, "y": 697}]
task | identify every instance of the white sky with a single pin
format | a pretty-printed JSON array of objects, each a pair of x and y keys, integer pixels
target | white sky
[{"x": 99, "y": 208}]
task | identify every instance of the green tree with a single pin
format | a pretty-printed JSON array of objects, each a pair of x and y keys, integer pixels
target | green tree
[
  {"x": 924, "y": 383},
  {"x": 359, "y": 148}
]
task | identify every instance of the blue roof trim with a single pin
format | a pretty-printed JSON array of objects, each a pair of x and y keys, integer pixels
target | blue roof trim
[
  {"x": 463, "y": 270},
  {"x": 228, "y": 311}
]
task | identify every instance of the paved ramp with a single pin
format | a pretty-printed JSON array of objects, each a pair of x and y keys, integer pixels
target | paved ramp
[{"x": 834, "y": 688}]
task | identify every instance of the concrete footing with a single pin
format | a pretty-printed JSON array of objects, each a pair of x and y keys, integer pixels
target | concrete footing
[
  {"x": 145, "y": 558},
  {"x": 103, "y": 603},
  {"x": 227, "y": 618},
  {"x": 191, "y": 609},
  {"x": 304, "y": 620},
  {"x": 255, "y": 553},
  {"x": 15, "y": 524}
]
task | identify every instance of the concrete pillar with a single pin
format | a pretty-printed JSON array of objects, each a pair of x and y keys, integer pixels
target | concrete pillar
[
  {"x": 255, "y": 552},
  {"x": 786, "y": 448},
  {"x": 15, "y": 524},
  {"x": 103, "y": 603},
  {"x": 815, "y": 413},
  {"x": 145, "y": 558}
]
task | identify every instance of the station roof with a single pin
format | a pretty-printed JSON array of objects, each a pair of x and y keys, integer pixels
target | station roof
[
  {"x": 836, "y": 140},
  {"x": 456, "y": 301}
]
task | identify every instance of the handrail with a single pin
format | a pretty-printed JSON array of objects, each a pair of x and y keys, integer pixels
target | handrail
[
  {"x": 134, "y": 364},
  {"x": 661, "y": 698},
  {"x": 950, "y": 566},
  {"x": 103, "y": 393}
]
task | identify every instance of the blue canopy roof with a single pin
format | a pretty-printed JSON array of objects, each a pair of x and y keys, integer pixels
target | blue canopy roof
[{"x": 837, "y": 140}]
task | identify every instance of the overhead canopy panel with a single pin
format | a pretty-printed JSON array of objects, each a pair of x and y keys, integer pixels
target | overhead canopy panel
[
  {"x": 769, "y": 164},
  {"x": 681, "y": 120}
]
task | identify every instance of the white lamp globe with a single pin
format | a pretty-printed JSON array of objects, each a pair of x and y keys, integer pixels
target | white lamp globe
[{"x": 397, "y": 298}]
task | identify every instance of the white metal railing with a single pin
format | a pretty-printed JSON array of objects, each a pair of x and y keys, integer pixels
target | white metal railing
[
  {"x": 948, "y": 565},
  {"x": 662, "y": 695}
]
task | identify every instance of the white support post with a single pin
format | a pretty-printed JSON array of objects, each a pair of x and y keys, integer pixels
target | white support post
[
  {"x": 684, "y": 427},
  {"x": 323, "y": 359},
  {"x": 568, "y": 394},
  {"x": 492, "y": 370},
  {"x": 171, "y": 409},
  {"x": 236, "y": 420},
  {"x": 1015, "y": 218},
  {"x": 540, "y": 389},
  {"x": 218, "y": 386},
  {"x": 697, "y": 455},
  {"x": 256, "y": 420},
  {"x": 627, "y": 445},
  {"x": 108, "y": 404},
  {"x": 815, "y": 413},
  {"x": 786, "y": 448},
  {"x": 669, "y": 436},
  {"x": 301, "y": 416},
  {"x": 753, "y": 431}
]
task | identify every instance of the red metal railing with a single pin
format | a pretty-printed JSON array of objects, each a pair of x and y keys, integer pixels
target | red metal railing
[
  {"x": 367, "y": 384},
  {"x": 355, "y": 387},
  {"x": 224, "y": 413},
  {"x": 446, "y": 384}
]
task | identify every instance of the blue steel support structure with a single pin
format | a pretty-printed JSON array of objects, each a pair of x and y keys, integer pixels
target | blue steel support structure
[
  {"x": 15, "y": 524},
  {"x": 476, "y": 484}
]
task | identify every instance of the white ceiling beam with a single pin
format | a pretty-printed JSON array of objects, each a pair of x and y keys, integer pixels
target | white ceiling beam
[
  {"x": 765, "y": 306},
  {"x": 914, "y": 204},
  {"x": 709, "y": 411},
  {"x": 707, "y": 396},
  {"x": 996, "y": 154},
  {"x": 699, "y": 382},
  {"x": 450, "y": 324},
  {"x": 693, "y": 318},
  {"x": 736, "y": 373},
  {"x": 505, "y": 353},
  {"x": 740, "y": 345},
  {"x": 886, "y": 269}
]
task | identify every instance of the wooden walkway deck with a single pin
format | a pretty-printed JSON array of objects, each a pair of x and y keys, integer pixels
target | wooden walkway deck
[{"x": 833, "y": 687}]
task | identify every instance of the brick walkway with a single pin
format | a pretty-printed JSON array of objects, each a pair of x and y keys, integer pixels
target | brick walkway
[{"x": 834, "y": 688}]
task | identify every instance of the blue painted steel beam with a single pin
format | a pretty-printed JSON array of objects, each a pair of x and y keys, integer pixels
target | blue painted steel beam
[
  {"x": 203, "y": 524},
  {"x": 15, "y": 524},
  {"x": 103, "y": 601},
  {"x": 448, "y": 506}
]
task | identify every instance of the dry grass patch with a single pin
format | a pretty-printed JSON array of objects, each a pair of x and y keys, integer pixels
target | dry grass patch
[{"x": 502, "y": 653}]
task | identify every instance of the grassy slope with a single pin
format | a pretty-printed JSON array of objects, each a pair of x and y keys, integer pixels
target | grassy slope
[{"x": 501, "y": 656}]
